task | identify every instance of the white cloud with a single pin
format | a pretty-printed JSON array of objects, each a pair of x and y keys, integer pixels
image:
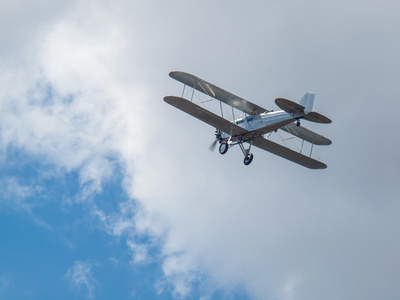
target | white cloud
[
  {"x": 21, "y": 197},
  {"x": 13, "y": 190},
  {"x": 257, "y": 227},
  {"x": 179, "y": 271},
  {"x": 139, "y": 252},
  {"x": 81, "y": 277},
  {"x": 289, "y": 289}
]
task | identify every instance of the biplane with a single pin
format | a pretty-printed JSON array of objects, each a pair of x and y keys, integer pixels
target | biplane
[{"x": 255, "y": 123}]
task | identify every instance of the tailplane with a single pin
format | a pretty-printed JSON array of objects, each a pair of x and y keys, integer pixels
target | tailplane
[
  {"x": 309, "y": 114},
  {"x": 303, "y": 109},
  {"x": 317, "y": 118}
]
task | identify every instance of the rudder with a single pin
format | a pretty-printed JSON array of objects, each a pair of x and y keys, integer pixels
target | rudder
[{"x": 308, "y": 102}]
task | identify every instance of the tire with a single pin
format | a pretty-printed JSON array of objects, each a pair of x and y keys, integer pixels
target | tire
[
  {"x": 248, "y": 159},
  {"x": 223, "y": 148}
]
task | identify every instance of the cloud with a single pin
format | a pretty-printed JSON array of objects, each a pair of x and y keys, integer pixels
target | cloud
[
  {"x": 50, "y": 112},
  {"x": 80, "y": 277},
  {"x": 289, "y": 289},
  {"x": 91, "y": 101},
  {"x": 21, "y": 197},
  {"x": 179, "y": 271},
  {"x": 139, "y": 252},
  {"x": 16, "y": 192}
]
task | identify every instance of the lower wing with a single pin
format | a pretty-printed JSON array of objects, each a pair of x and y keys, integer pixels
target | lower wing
[
  {"x": 205, "y": 115},
  {"x": 287, "y": 153},
  {"x": 306, "y": 134}
]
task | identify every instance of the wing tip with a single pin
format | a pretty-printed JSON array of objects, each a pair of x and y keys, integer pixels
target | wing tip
[
  {"x": 174, "y": 100},
  {"x": 168, "y": 98},
  {"x": 175, "y": 74},
  {"x": 320, "y": 166}
]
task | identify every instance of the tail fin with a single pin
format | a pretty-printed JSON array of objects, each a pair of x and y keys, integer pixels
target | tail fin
[{"x": 308, "y": 102}]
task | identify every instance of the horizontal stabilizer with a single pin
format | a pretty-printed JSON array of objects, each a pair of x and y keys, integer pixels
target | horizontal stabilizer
[
  {"x": 317, "y": 118},
  {"x": 298, "y": 110},
  {"x": 306, "y": 134},
  {"x": 290, "y": 107}
]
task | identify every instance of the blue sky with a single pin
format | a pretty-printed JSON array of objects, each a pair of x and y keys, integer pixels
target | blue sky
[
  {"x": 108, "y": 192},
  {"x": 53, "y": 248}
]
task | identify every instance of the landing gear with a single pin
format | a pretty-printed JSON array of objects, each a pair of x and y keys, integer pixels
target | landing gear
[
  {"x": 226, "y": 144},
  {"x": 248, "y": 159},
  {"x": 298, "y": 123},
  {"x": 223, "y": 148}
]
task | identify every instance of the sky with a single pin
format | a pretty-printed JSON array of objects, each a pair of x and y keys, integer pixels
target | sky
[{"x": 108, "y": 192}]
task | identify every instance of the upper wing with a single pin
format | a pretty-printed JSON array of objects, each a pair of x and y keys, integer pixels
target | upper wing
[
  {"x": 217, "y": 93},
  {"x": 306, "y": 134},
  {"x": 205, "y": 115},
  {"x": 289, "y": 154}
]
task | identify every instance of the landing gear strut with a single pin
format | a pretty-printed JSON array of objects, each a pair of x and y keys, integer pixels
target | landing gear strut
[{"x": 248, "y": 157}]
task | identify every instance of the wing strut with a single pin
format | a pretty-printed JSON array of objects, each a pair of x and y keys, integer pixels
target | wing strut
[
  {"x": 183, "y": 92},
  {"x": 217, "y": 93},
  {"x": 312, "y": 146},
  {"x": 191, "y": 98}
]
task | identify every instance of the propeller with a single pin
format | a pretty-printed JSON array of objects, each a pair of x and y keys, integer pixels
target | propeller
[
  {"x": 217, "y": 139},
  {"x": 212, "y": 146}
]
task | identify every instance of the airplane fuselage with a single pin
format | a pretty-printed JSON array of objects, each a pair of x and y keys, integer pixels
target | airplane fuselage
[{"x": 254, "y": 122}]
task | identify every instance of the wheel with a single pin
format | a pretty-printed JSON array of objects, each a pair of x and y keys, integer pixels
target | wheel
[
  {"x": 298, "y": 123},
  {"x": 248, "y": 159},
  {"x": 223, "y": 148}
]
